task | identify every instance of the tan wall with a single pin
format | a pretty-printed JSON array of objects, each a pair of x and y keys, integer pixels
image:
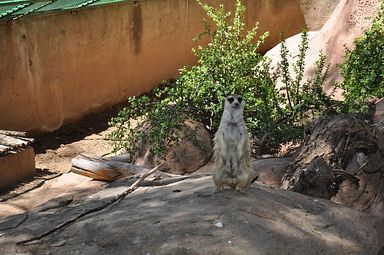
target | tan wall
[
  {"x": 16, "y": 167},
  {"x": 56, "y": 68}
]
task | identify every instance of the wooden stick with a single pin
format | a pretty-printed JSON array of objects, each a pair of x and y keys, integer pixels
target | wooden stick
[
  {"x": 131, "y": 188},
  {"x": 355, "y": 179},
  {"x": 12, "y": 133},
  {"x": 171, "y": 180}
]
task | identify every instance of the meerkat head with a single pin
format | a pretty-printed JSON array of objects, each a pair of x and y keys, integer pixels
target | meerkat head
[
  {"x": 234, "y": 102},
  {"x": 233, "y": 109}
]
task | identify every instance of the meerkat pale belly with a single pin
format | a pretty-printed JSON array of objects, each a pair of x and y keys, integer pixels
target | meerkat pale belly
[{"x": 231, "y": 147}]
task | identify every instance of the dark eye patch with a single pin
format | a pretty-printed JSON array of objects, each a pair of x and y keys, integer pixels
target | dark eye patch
[
  {"x": 239, "y": 99},
  {"x": 230, "y": 100}
]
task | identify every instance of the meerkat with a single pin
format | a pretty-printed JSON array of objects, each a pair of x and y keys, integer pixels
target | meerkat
[{"x": 232, "y": 147}]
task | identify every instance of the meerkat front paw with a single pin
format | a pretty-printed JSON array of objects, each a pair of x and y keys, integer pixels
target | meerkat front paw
[
  {"x": 240, "y": 189},
  {"x": 219, "y": 188}
]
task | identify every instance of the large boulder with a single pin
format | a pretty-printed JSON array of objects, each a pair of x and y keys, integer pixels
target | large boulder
[
  {"x": 270, "y": 170},
  {"x": 192, "y": 152},
  {"x": 348, "y": 21},
  {"x": 189, "y": 218},
  {"x": 316, "y": 12}
]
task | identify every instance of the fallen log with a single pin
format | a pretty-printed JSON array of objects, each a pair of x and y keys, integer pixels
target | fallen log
[
  {"x": 103, "y": 169},
  {"x": 343, "y": 161}
]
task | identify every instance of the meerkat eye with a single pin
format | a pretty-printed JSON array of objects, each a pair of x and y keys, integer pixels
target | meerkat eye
[
  {"x": 239, "y": 99},
  {"x": 230, "y": 100}
]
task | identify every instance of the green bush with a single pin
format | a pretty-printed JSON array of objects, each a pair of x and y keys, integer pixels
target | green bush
[
  {"x": 228, "y": 64},
  {"x": 304, "y": 99},
  {"x": 363, "y": 70}
]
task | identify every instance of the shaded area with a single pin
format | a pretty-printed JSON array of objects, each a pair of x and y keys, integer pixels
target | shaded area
[
  {"x": 189, "y": 218},
  {"x": 93, "y": 123}
]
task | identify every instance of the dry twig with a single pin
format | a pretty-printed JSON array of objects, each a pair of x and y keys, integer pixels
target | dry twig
[{"x": 119, "y": 197}]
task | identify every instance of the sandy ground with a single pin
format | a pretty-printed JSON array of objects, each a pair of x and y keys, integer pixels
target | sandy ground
[{"x": 54, "y": 152}]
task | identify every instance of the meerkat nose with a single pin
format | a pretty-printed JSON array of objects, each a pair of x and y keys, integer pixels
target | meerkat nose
[{"x": 236, "y": 104}]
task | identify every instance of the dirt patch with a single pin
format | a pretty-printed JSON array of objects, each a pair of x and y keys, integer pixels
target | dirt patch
[{"x": 54, "y": 152}]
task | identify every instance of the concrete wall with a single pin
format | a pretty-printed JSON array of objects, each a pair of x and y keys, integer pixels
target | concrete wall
[{"x": 57, "y": 68}]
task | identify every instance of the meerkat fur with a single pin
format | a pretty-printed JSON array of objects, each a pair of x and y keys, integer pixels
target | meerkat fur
[{"x": 232, "y": 148}]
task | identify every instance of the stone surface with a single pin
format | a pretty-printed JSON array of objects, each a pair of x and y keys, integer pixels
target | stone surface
[
  {"x": 52, "y": 194},
  {"x": 189, "y": 218},
  {"x": 270, "y": 170},
  {"x": 317, "y": 12}
]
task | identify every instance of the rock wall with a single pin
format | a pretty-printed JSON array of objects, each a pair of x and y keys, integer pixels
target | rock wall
[{"x": 317, "y": 12}]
